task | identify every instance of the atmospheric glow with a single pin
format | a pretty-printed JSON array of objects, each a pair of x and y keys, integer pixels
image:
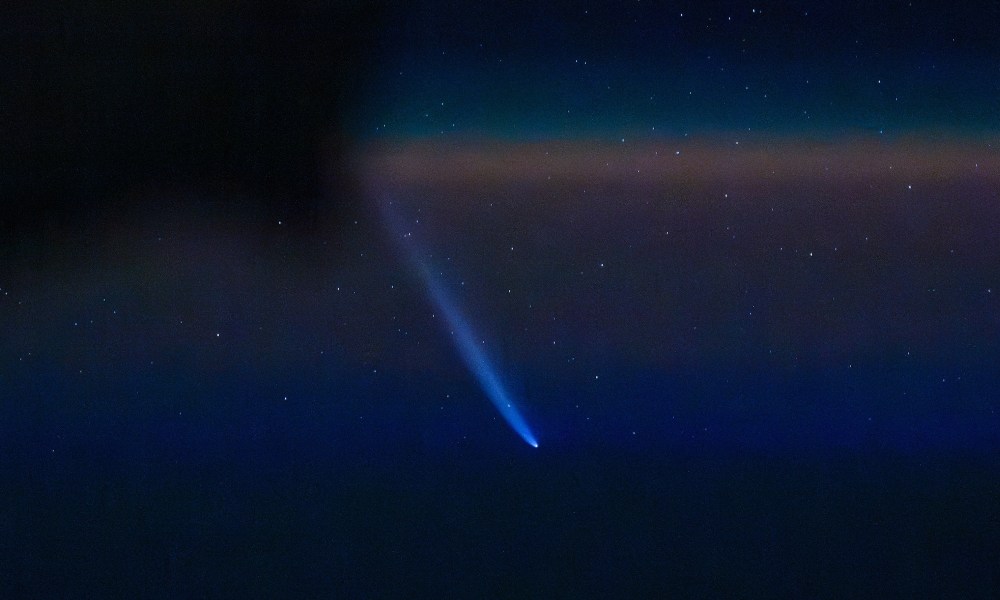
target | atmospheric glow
[{"x": 471, "y": 351}]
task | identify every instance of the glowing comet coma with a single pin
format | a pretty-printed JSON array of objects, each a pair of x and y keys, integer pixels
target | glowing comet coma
[{"x": 472, "y": 353}]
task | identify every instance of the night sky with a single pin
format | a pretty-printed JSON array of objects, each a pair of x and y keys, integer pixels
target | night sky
[{"x": 291, "y": 292}]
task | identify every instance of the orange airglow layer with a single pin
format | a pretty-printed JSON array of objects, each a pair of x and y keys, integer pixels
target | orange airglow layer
[{"x": 677, "y": 160}]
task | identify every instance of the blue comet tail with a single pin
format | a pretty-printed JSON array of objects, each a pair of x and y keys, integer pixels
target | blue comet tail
[
  {"x": 476, "y": 359},
  {"x": 472, "y": 352}
]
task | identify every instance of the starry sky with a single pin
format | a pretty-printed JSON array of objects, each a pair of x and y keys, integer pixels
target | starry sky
[
  {"x": 568, "y": 69},
  {"x": 265, "y": 266}
]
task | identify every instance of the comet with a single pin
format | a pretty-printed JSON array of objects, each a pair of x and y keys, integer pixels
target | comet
[{"x": 463, "y": 335}]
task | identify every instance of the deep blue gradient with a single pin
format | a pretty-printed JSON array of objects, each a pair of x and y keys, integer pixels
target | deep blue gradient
[{"x": 249, "y": 494}]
